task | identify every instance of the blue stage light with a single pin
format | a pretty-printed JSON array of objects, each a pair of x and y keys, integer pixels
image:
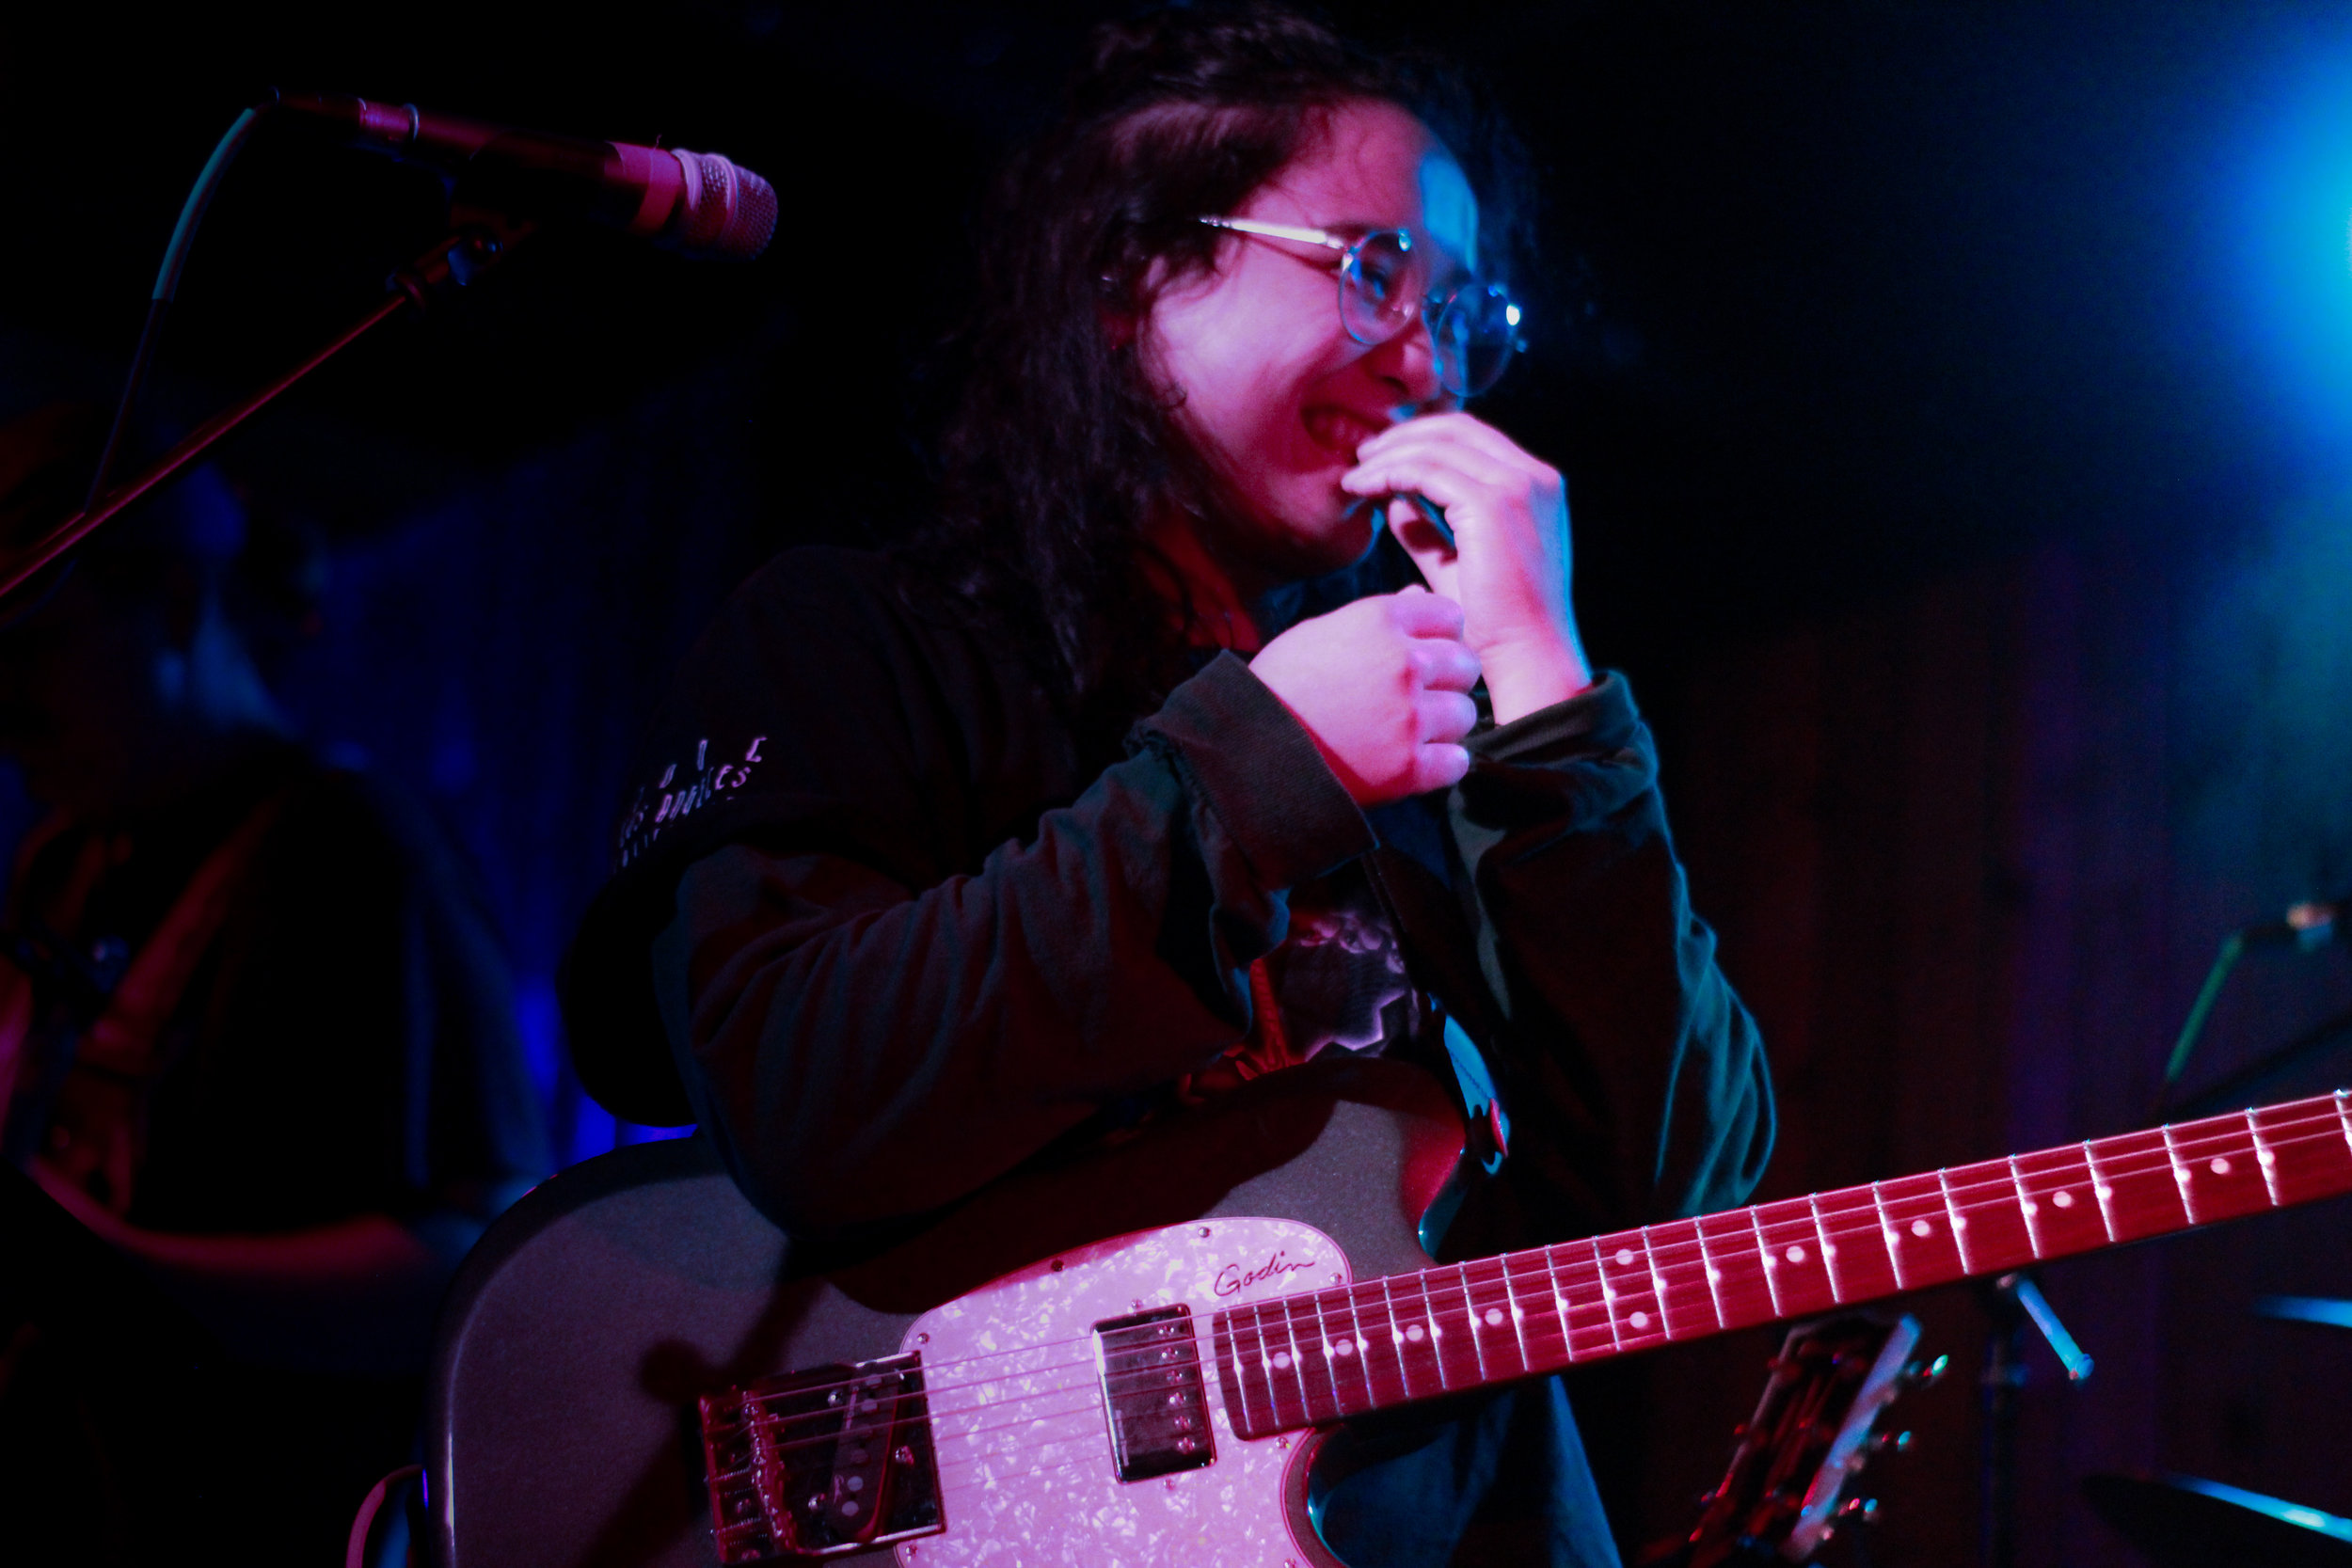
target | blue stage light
[{"x": 2292, "y": 235}]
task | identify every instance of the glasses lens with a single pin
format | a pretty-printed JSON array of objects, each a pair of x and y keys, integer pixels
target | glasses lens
[
  {"x": 1380, "y": 284},
  {"x": 1475, "y": 336}
]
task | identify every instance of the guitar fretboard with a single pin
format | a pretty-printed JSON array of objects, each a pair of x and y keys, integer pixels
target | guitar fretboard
[{"x": 1314, "y": 1357}]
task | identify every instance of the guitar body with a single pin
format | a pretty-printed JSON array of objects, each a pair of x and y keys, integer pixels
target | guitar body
[{"x": 563, "y": 1429}]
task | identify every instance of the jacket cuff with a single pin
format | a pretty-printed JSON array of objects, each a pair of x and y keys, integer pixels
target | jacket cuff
[
  {"x": 1598, "y": 721},
  {"x": 1251, "y": 761}
]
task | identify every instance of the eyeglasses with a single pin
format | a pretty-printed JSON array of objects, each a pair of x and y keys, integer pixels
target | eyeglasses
[{"x": 1384, "y": 288}]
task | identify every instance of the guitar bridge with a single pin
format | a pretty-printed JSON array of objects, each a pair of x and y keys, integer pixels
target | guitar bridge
[
  {"x": 1149, "y": 1365},
  {"x": 822, "y": 1461}
]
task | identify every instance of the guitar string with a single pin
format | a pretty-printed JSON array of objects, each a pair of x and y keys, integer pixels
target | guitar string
[
  {"x": 2233, "y": 1135},
  {"x": 1590, "y": 1274},
  {"x": 1677, "y": 1251},
  {"x": 1436, "y": 1364},
  {"x": 1259, "y": 1312}
]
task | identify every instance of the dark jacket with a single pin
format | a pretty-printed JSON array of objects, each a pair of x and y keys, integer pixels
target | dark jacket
[{"x": 901, "y": 933}]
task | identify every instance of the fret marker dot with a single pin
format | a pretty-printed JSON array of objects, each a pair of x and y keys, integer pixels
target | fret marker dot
[
  {"x": 1796, "y": 1255},
  {"x": 1714, "y": 1275},
  {"x": 1413, "y": 1333},
  {"x": 2032, "y": 1208},
  {"x": 1920, "y": 1227},
  {"x": 1494, "y": 1316},
  {"x": 2103, "y": 1191},
  {"x": 1282, "y": 1359},
  {"x": 1639, "y": 1320},
  {"x": 2221, "y": 1167},
  {"x": 1959, "y": 1222},
  {"x": 2267, "y": 1158},
  {"x": 2064, "y": 1200},
  {"x": 1625, "y": 1257},
  {"x": 1345, "y": 1348}
]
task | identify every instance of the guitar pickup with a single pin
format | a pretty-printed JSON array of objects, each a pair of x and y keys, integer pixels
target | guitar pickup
[
  {"x": 821, "y": 1462},
  {"x": 1152, "y": 1396}
]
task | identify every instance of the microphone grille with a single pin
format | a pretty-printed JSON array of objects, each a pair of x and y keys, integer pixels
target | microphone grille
[{"x": 725, "y": 212}]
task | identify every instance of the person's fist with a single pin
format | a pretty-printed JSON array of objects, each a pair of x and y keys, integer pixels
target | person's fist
[{"x": 1383, "y": 686}]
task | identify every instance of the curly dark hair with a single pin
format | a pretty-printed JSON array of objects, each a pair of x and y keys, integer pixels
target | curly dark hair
[{"x": 1061, "y": 451}]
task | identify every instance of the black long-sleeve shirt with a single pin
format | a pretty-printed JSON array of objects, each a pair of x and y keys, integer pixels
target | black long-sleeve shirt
[{"x": 901, "y": 934}]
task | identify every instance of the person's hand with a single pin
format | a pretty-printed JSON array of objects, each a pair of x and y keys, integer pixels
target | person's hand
[
  {"x": 1509, "y": 567},
  {"x": 1382, "y": 684}
]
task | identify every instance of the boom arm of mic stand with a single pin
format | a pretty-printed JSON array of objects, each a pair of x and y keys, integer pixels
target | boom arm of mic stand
[
  {"x": 458, "y": 259},
  {"x": 2243, "y": 1087}
]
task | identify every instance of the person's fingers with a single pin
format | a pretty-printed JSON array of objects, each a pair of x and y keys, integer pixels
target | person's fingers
[
  {"x": 1420, "y": 613},
  {"x": 1441, "y": 664},
  {"x": 1445, "y": 716},
  {"x": 1465, "y": 431},
  {"x": 1445, "y": 475},
  {"x": 1439, "y": 767}
]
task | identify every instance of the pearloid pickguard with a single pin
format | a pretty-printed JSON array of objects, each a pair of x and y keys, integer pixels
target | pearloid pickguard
[{"x": 1025, "y": 1457}]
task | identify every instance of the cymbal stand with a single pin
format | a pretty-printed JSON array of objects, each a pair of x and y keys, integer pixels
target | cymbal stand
[{"x": 2011, "y": 1302}]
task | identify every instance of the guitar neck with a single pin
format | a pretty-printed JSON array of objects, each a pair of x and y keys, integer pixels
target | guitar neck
[{"x": 1314, "y": 1357}]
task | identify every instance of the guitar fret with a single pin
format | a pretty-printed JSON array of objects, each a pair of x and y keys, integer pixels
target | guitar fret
[
  {"x": 1398, "y": 1341},
  {"x": 1477, "y": 1324},
  {"x": 1257, "y": 1366},
  {"x": 1657, "y": 1283},
  {"x": 1225, "y": 1336},
  {"x": 1999, "y": 1232},
  {"x": 2060, "y": 1212},
  {"x": 1764, "y": 1256},
  {"x": 1560, "y": 1301},
  {"x": 2306, "y": 1162},
  {"x": 1829, "y": 1250},
  {"x": 2263, "y": 1157},
  {"x": 2102, "y": 1190},
  {"x": 1866, "y": 1259},
  {"x": 1297, "y": 1362},
  {"x": 2028, "y": 1207},
  {"x": 1741, "y": 1283},
  {"x": 1887, "y": 1234},
  {"x": 1953, "y": 1217},
  {"x": 2180, "y": 1174},
  {"x": 1462, "y": 1372},
  {"x": 1330, "y": 1364},
  {"x": 1608, "y": 1296},
  {"x": 1714, "y": 1276},
  {"x": 1357, "y": 1356},
  {"x": 1518, "y": 1317},
  {"x": 2343, "y": 1118},
  {"x": 1522, "y": 1283},
  {"x": 1686, "y": 1297}
]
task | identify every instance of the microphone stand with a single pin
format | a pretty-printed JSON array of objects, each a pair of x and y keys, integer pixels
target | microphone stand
[
  {"x": 2240, "y": 1088},
  {"x": 2011, "y": 1303},
  {"x": 456, "y": 261}
]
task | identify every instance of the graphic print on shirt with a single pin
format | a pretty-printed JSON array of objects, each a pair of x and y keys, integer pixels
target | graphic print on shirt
[{"x": 670, "y": 799}]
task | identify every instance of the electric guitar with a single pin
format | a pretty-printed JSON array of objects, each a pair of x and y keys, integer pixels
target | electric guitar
[{"x": 1136, "y": 1360}]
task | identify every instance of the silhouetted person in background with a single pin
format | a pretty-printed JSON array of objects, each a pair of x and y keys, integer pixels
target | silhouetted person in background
[{"x": 256, "y": 1035}]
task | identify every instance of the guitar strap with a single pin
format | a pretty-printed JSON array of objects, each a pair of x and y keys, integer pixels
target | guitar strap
[{"x": 97, "y": 1123}]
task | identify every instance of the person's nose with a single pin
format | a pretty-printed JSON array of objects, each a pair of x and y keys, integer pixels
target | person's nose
[{"x": 1409, "y": 362}]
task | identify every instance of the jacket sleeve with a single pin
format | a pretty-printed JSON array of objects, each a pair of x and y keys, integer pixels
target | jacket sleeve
[
  {"x": 864, "y": 1049},
  {"x": 1635, "y": 1078}
]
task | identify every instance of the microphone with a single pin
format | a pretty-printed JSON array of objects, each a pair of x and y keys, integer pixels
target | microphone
[
  {"x": 696, "y": 203},
  {"x": 2309, "y": 925}
]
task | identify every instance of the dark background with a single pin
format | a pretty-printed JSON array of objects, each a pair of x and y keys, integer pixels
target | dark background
[{"x": 1957, "y": 401}]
